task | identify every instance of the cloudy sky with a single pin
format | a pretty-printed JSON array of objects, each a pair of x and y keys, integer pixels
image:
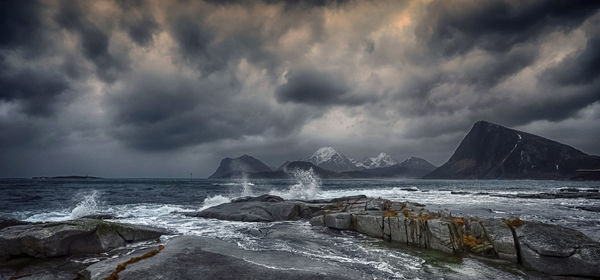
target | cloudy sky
[{"x": 165, "y": 88}]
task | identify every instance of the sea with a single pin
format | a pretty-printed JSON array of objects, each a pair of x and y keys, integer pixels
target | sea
[{"x": 161, "y": 202}]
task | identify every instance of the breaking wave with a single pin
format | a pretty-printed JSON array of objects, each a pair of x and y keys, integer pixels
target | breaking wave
[
  {"x": 214, "y": 201},
  {"x": 87, "y": 206},
  {"x": 308, "y": 186}
]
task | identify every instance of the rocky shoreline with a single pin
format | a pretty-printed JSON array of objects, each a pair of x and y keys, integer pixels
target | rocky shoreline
[
  {"x": 34, "y": 250},
  {"x": 550, "y": 249}
]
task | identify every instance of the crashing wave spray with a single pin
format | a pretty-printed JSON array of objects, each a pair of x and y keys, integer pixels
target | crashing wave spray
[
  {"x": 307, "y": 187},
  {"x": 87, "y": 206},
  {"x": 214, "y": 201},
  {"x": 246, "y": 191}
]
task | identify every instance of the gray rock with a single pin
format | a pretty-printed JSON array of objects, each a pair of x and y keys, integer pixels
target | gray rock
[
  {"x": 557, "y": 250},
  {"x": 443, "y": 236},
  {"x": 539, "y": 246},
  {"x": 501, "y": 237},
  {"x": 369, "y": 224},
  {"x": 376, "y": 204},
  {"x": 7, "y": 222},
  {"x": 193, "y": 257},
  {"x": 338, "y": 221},
  {"x": 100, "y": 217},
  {"x": 317, "y": 221},
  {"x": 262, "y": 198},
  {"x": 75, "y": 237},
  {"x": 265, "y": 208}
]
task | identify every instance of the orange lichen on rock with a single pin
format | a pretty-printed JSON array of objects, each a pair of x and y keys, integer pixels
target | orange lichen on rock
[
  {"x": 406, "y": 213},
  {"x": 115, "y": 274},
  {"x": 387, "y": 204},
  {"x": 470, "y": 241},
  {"x": 390, "y": 213},
  {"x": 425, "y": 216},
  {"x": 458, "y": 220},
  {"x": 514, "y": 222}
]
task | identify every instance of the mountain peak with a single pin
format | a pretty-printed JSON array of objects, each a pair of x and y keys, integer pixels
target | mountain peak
[
  {"x": 328, "y": 158},
  {"x": 381, "y": 160},
  {"x": 325, "y": 153},
  {"x": 417, "y": 162},
  {"x": 492, "y": 151},
  {"x": 235, "y": 167}
]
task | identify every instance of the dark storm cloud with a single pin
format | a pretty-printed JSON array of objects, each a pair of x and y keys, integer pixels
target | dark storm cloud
[
  {"x": 210, "y": 41},
  {"x": 94, "y": 41},
  {"x": 184, "y": 83},
  {"x": 456, "y": 27},
  {"x": 165, "y": 112},
  {"x": 578, "y": 68},
  {"x": 193, "y": 41},
  {"x": 315, "y": 88},
  {"x": 565, "y": 104},
  {"x": 35, "y": 90},
  {"x": 138, "y": 21},
  {"x": 21, "y": 25},
  {"x": 288, "y": 3},
  {"x": 499, "y": 67}
]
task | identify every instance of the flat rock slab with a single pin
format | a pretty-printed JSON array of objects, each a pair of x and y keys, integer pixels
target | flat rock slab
[
  {"x": 270, "y": 208},
  {"x": 194, "y": 257},
  {"x": 558, "y": 250},
  {"x": 251, "y": 211},
  {"x": 75, "y": 237},
  {"x": 9, "y": 222}
]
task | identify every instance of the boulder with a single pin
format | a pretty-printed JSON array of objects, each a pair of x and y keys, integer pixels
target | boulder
[
  {"x": 501, "y": 237},
  {"x": 369, "y": 224},
  {"x": 194, "y": 257},
  {"x": 100, "y": 217},
  {"x": 7, "y": 222},
  {"x": 75, "y": 237},
  {"x": 317, "y": 221},
  {"x": 265, "y": 208},
  {"x": 338, "y": 221},
  {"x": 557, "y": 250}
]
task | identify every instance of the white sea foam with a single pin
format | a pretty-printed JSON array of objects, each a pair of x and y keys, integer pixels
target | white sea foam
[
  {"x": 232, "y": 184},
  {"x": 214, "y": 201},
  {"x": 50, "y": 216},
  {"x": 308, "y": 186},
  {"x": 87, "y": 206}
]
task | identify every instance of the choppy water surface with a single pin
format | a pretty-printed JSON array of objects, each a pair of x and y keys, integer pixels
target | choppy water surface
[{"x": 157, "y": 202}]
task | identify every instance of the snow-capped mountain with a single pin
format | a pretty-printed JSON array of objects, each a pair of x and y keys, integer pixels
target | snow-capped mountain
[
  {"x": 417, "y": 163},
  {"x": 381, "y": 160},
  {"x": 329, "y": 158}
]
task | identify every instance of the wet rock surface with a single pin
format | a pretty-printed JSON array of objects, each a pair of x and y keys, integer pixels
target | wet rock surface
[
  {"x": 556, "y": 195},
  {"x": 550, "y": 249},
  {"x": 7, "y": 222},
  {"x": 193, "y": 257},
  {"x": 558, "y": 250},
  {"x": 68, "y": 238},
  {"x": 270, "y": 208},
  {"x": 266, "y": 208}
]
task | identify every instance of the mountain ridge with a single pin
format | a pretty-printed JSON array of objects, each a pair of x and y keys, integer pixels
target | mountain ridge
[
  {"x": 492, "y": 151},
  {"x": 406, "y": 169}
]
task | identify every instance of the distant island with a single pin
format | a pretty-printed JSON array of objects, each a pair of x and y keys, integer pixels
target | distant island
[
  {"x": 71, "y": 177},
  {"x": 327, "y": 163},
  {"x": 488, "y": 151}
]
